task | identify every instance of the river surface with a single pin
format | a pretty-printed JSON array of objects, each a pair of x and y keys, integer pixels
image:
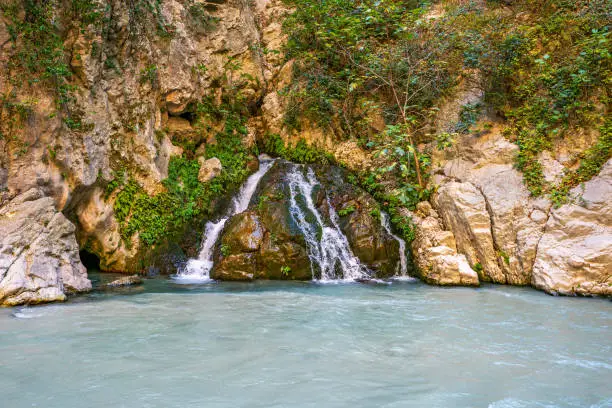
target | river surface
[{"x": 308, "y": 345}]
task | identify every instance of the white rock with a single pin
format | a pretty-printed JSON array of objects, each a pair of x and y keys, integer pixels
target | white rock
[
  {"x": 39, "y": 256},
  {"x": 574, "y": 255}
]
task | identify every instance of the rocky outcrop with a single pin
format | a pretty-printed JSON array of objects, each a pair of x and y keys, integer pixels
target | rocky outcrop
[
  {"x": 265, "y": 242},
  {"x": 39, "y": 256},
  {"x": 434, "y": 252},
  {"x": 507, "y": 235},
  {"x": 463, "y": 210},
  {"x": 574, "y": 255},
  {"x": 483, "y": 201},
  {"x": 135, "y": 92}
]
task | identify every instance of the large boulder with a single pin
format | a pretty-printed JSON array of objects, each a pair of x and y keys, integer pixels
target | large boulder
[
  {"x": 434, "y": 252},
  {"x": 263, "y": 242},
  {"x": 575, "y": 253},
  {"x": 483, "y": 201},
  {"x": 209, "y": 169},
  {"x": 39, "y": 255}
]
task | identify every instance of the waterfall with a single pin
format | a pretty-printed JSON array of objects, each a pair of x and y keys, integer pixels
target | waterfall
[
  {"x": 328, "y": 247},
  {"x": 198, "y": 270},
  {"x": 403, "y": 269}
]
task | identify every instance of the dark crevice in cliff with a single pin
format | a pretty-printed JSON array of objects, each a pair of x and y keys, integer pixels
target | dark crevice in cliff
[{"x": 89, "y": 260}]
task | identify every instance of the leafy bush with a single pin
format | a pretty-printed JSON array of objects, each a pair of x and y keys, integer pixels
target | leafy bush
[{"x": 185, "y": 198}]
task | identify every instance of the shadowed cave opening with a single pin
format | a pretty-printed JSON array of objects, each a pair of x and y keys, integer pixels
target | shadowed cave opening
[{"x": 89, "y": 260}]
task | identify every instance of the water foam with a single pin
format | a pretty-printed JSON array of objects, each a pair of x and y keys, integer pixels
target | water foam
[
  {"x": 198, "y": 270},
  {"x": 403, "y": 267},
  {"x": 331, "y": 258}
]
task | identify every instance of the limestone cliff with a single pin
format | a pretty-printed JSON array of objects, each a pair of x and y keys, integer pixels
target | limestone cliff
[
  {"x": 135, "y": 72},
  {"x": 114, "y": 112}
]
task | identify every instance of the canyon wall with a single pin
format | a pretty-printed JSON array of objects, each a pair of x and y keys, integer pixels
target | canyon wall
[{"x": 136, "y": 75}]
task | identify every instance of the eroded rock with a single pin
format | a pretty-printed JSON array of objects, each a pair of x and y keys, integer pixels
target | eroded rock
[
  {"x": 434, "y": 252},
  {"x": 464, "y": 211},
  {"x": 39, "y": 256},
  {"x": 574, "y": 255}
]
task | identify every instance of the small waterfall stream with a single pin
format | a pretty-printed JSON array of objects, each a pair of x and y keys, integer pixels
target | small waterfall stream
[
  {"x": 328, "y": 248},
  {"x": 198, "y": 270},
  {"x": 403, "y": 267},
  {"x": 329, "y": 251}
]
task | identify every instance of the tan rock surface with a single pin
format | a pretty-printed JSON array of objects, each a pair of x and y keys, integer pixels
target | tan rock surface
[{"x": 575, "y": 253}]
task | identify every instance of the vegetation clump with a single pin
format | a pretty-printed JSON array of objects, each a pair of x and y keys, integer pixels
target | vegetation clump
[
  {"x": 156, "y": 218},
  {"x": 545, "y": 69}
]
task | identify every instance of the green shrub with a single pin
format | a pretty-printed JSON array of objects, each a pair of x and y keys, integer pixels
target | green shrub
[{"x": 348, "y": 210}]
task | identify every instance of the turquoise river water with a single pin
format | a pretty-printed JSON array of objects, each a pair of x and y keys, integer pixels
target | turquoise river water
[{"x": 308, "y": 345}]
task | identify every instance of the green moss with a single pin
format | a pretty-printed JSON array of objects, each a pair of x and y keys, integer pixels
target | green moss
[
  {"x": 504, "y": 256},
  {"x": 161, "y": 217},
  {"x": 348, "y": 210}
]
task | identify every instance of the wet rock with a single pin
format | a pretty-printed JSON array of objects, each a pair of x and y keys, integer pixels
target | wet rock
[
  {"x": 574, "y": 255},
  {"x": 244, "y": 233},
  {"x": 238, "y": 267},
  {"x": 209, "y": 169},
  {"x": 39, "y": 256},
  {"x": 268, "y": 236},
  {"x": 359, "y": 221},
  {"x": 125, "y": 281}
]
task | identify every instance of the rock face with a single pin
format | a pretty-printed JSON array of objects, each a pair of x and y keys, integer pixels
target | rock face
[
  {"x": 265, "y": 242},
  {"x": 483, "y": 201},
  {"x": 483, "y": 211},
  {"x": 435, "y": 254},
  {"x": 135, "y": 92},
  {"x": 575, "y": 253},
  {"x": 39, "y": 256}
]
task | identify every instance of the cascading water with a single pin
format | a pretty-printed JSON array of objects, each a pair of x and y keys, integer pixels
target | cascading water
[
  {"x": 403, "y": 267},
  {"x": 328, "y": 248},
  {"x": 198, "y": 270}
]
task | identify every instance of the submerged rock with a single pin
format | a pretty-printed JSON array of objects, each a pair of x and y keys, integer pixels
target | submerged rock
[
  {"x": 125, "y": 281},
  {"x": 39, "y": 256}
]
